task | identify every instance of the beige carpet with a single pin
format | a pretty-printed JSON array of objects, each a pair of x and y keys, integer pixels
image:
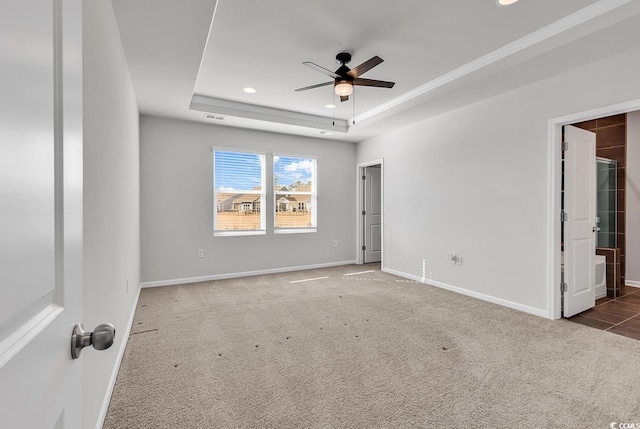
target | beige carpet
[{"x": 363, "y": 351}]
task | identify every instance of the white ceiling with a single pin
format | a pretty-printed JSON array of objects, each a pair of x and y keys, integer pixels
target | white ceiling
[{"x": 191, "y": 57}]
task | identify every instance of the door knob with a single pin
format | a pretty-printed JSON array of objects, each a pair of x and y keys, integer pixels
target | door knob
[
  {"x": 101, "y": 338},
  {"x": 596, "y": 229}
]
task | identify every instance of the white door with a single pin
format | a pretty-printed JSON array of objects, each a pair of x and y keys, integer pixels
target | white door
[
  {"x": 40, "y": 212},
  {"x": 373, "y": 214},
  {"x": 580, "y": 208}
]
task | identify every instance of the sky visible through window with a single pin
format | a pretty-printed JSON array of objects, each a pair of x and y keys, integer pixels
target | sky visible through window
[
  {"x": 289, "y": 170},
  {"x": 237, "y": 171}
]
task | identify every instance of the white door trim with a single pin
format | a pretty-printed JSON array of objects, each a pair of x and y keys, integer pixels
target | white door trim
[
  {"x": 359, "y": 207},
  {"x": 554, "y": 180}
]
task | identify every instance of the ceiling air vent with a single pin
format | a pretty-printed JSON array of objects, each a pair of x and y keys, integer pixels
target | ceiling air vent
[{"x": 213, "y": 116}]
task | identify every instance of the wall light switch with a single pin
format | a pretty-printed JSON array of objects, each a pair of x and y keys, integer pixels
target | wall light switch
[
  {"x": 335, "y": 243},
  {"x": 200, "y": 253}
]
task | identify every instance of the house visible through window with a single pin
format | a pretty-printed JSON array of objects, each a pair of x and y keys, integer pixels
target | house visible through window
[
  {"x": 239, "y": 193},
  {"x": 295, "y": 194}
]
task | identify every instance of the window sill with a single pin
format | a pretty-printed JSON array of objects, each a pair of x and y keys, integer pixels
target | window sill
[
  {"x": 238, "y": 233},
  {"x": 294, "y": 230}
]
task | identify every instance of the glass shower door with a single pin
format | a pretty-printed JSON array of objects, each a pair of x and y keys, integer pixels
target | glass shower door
[{"x": 607, "y": 204}]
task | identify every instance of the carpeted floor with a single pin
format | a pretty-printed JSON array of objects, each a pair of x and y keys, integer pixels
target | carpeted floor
[{"x": 368, "y": 350}]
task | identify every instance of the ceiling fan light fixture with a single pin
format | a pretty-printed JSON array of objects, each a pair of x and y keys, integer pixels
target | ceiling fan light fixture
[
  {"x": 505, "y": 2},
  {"x": 343, "y": 88}
]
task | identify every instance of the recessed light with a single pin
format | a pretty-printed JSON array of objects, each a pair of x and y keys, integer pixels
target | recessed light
[
  {"x": 249, "y": 90},
  {"x": 330, "y": 106},
  {"x": 505, "y": 2}
]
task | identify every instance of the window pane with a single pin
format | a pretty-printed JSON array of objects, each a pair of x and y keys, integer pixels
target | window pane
[
  {"x": 238, "y": 191},
  {"x": 295, "y": 195}
]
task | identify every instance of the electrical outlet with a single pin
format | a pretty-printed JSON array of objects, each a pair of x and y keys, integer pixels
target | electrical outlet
[
  {"x": 200, "y": 253},
  {"x": 455, "y": 259},
  {"x": 335, "y": 243}
]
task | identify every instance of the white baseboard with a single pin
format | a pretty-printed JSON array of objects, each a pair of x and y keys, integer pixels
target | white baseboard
[
  {"x": 114, "y": 373},
  {"x": 478, "y": 295},
  {"x": 631, "y": 283},
  {"x": 241, "y": 274},
  {"x": 401, "y": 274}
]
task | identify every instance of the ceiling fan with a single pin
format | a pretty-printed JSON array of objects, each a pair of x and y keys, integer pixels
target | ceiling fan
[{"x": 345, "y": 78}]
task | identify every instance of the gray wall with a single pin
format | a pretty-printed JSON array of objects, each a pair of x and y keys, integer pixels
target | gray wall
[
  {"x": 477, "y": 182},
  {"x": 111, "y": 199},
  {"x": 632, "y": 233},
  {"x": 177, "y": 204}
]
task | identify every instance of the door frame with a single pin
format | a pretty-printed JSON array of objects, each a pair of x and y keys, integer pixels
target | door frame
[
  {"x": 554, "y": 171},
  {"x": 359, "y": 208}
]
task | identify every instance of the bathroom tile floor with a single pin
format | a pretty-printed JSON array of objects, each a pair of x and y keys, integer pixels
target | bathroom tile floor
[{"x": 618, "y": 315}]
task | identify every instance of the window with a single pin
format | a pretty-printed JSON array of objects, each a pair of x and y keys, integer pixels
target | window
[
  {"x": 238, "y": 192},
  {"x": 295, "y": 194}
]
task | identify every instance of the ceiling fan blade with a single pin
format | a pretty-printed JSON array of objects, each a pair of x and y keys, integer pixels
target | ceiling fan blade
[
  {"x": 314, "y": 86},
  {"x": 321, "y": 69},
  {"x": 344, "y": 97},
  {"x": 365, "y": 67},
  {"x": 373, "y": 82}
]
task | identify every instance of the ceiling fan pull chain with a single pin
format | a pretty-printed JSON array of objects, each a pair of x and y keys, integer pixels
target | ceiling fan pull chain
[
  {"x": 333, "y": 111},
  {"x": 354, "y": 106}
]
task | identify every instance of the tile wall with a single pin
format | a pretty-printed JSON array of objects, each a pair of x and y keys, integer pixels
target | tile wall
[{"x": 611, "y": 142}]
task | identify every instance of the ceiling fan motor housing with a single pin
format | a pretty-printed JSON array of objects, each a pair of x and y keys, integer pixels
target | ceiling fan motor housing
[{"x": 343, "y": 58}]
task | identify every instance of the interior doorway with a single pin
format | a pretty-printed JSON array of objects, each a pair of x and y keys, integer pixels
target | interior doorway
[
  {"x": 615, "y": 308},
  {"x": 370, "y": 213},
  {"x": 606, "y": 124}
]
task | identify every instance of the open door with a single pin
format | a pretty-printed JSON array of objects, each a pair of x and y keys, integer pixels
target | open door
[
  {"x": 41, "y": 212},
  {"x": 372, "y": 214},
  {"x": 580, "y": 220}
]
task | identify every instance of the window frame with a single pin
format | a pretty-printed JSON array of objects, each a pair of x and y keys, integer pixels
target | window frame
[
  {"x": 262, "y": 193},
  {"x": 313, "y": 194}
]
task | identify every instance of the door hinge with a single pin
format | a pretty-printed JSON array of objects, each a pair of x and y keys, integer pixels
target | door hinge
[
  {"x": 564, "y": 216},
  {"x": 565, "y": 146},
  {"x": 364, "y": 247},
  {"x": 564, "y": 287},
  {"x": 364, "y": 212},
  {"x": 364, "y": 177}
]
